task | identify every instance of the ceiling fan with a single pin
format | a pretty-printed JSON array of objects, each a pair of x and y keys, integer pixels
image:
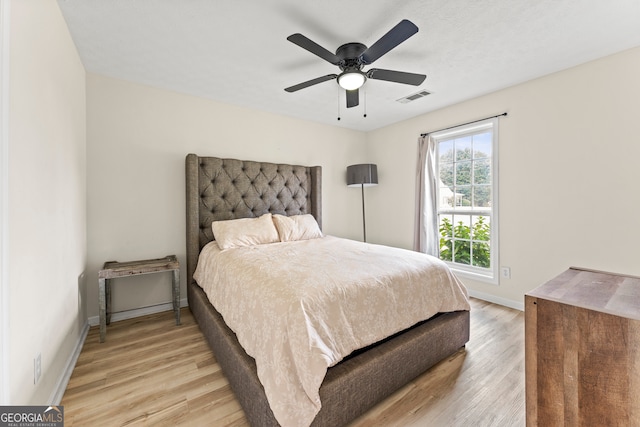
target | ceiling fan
[{"x": 352, "y": 57}]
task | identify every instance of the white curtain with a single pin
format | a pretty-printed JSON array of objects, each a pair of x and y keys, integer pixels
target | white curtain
[{"x": 426, "y": 237}]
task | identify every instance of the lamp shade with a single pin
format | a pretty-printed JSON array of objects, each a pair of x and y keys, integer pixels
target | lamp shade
[{"x": 365, "y": 174}]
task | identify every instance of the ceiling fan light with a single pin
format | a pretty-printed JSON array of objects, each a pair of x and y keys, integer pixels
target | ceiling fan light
[{"x": 351, "y": 80}]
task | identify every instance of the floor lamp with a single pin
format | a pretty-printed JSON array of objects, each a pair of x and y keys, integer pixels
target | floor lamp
[{"x": 362, "y": 175}]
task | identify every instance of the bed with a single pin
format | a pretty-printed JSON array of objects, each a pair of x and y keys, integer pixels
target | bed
[{"x": 225, "y": 189}]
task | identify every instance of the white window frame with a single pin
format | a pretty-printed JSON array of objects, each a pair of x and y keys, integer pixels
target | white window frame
[{"x": 491, "y": 274}]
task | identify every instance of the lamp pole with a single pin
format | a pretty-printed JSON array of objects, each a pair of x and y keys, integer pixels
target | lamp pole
[
  {"x": 365, "y": 173},
  {"x": 364, "y": 224}
]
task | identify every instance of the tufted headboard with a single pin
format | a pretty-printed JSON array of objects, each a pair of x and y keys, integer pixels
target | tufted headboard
[{"x": 220, "y": 189}]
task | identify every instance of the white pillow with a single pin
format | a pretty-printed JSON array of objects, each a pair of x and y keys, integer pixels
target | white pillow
[
  {"x": 244, "y": 232},
  {"x": 297, "y": 227}
]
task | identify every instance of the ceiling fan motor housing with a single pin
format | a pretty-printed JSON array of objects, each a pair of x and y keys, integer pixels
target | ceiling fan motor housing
[{"x": 349, "y": 55}]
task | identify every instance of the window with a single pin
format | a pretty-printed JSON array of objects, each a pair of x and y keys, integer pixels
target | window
[{"x": 467, "y": 199}]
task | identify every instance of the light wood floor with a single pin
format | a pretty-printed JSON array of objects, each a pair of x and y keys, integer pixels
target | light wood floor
[{"x": 150, "y": 372}]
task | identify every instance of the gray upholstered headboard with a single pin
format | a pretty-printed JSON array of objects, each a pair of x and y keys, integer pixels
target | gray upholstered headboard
[{"x": 221, "y": 189}]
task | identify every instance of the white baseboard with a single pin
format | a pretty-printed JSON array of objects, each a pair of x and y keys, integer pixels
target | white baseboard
[
  {"x": 63, "y": 380},
  {"x": 497, "y": 300},
  {"x": 138, "y": 312}
]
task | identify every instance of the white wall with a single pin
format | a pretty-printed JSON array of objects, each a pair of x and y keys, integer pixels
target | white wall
[
  {"x": 138, "y": 137},
  {"x": 4, "y": 200},
  {"x": 568, "y": 173},
  {"x": 47, "y": 198}
]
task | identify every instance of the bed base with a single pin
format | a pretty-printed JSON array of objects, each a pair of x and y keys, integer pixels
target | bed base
[{"x": 351, "y": 387}]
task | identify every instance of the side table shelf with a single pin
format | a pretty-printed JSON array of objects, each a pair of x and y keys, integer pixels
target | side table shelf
[{"x": 114, "y": 269}]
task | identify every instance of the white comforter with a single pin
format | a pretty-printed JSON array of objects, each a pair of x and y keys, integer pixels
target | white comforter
[{"x": 300, "y": 307}]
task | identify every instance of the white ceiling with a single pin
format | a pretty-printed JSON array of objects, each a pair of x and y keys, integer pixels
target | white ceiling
[{"x": 236, "y": 52}]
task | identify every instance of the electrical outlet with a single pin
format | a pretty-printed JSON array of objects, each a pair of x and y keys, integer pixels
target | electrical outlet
[
  {"x": 505, "y": 272},
  {"x": 37, "y": 368}
]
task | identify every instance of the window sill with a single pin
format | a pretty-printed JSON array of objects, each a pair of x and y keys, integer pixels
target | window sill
[{"x": 480, "y": 277}]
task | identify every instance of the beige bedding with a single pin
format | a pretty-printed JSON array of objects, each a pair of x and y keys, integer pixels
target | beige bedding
[{"x": 300, "y": 307}]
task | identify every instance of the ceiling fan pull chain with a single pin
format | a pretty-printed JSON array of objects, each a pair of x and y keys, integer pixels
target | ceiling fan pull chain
[
  {"x": 338, "y": 104},
  {"x": 364, "y": 93}
]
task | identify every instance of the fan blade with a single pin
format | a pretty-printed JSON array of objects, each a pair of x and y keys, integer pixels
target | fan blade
[
  {"x": 396, "y": 76},
  {"x": 393, "y": 38},
  {"x": 311, "y": 82},
  {"x": 313, "y": 47},
  {"x": 352, "y": 98}
]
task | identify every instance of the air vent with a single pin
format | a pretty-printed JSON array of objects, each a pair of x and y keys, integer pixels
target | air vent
[{"x": 414, "y": 96}]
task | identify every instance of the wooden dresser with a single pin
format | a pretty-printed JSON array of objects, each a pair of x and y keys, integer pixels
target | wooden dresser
[{"x": 582, "y": 344}]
